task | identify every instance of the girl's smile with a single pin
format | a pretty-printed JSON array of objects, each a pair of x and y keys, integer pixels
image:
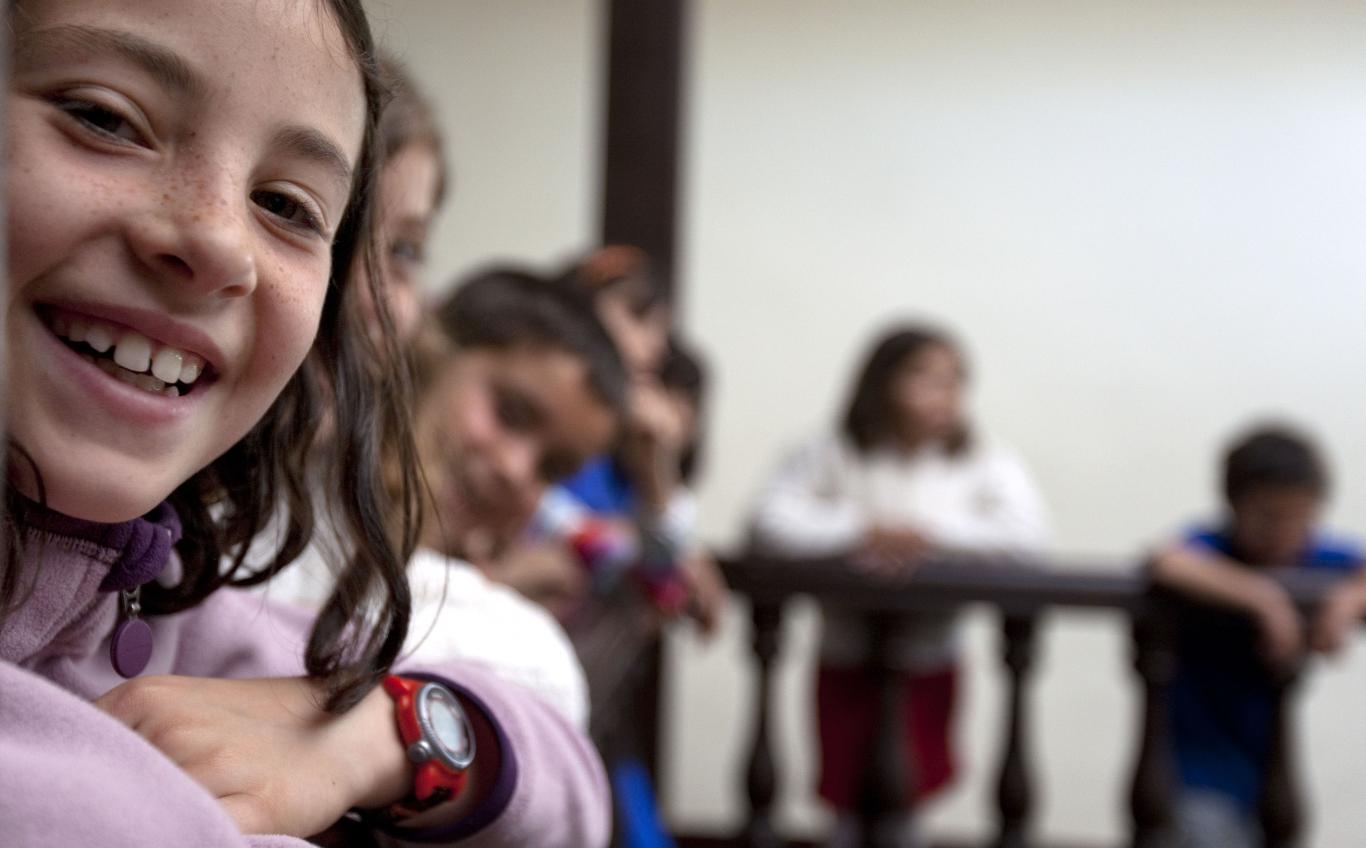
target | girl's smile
[{"x": 144, "y": 350}]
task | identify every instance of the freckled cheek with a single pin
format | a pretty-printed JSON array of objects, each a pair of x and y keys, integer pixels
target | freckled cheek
[
  {"x": 288, "y": 314},
  {"x": 55, "y": 206}
]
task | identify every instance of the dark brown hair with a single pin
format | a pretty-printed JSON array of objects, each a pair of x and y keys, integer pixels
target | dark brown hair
[
  {"x": 505, "y": 307},
  {"x": 270, "y": 471},
  {"x": 620, "y": 270},
  {"x": 1273, "y": 456},
  {"x": 870, "y": 420},
  {"x": 685, "y": 372}
]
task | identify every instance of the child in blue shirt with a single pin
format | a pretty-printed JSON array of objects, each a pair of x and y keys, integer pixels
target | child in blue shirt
[{"x": 1230, "y": 655}]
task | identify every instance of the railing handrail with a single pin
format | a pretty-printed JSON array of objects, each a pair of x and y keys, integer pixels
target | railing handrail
[{"x": 1017, "y": 585}]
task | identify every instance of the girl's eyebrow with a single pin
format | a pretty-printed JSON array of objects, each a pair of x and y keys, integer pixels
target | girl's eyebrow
[
  {"x": 311, "y": 144},
  {"x": 162, "y": 63}
]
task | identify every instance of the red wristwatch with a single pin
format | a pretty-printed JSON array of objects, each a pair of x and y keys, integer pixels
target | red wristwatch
[{"x": 439, "y": 739}]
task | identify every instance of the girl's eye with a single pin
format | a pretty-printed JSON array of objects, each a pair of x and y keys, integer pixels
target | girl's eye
[
  {"x": 408, "y": 252},
  {"x": 101, "y": 120},
  {"x": 515, "y": 412},
  {"x": 291, "y": 210}
]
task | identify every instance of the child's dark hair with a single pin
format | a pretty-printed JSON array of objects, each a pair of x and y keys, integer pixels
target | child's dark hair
[
  {"x": 1273, "y": 456},
  {"x": 870, "y": 419},
  {"x": 506, "y": 308},
  {"x": 272, "y": 470},
  {"x": 684, "y": 372},
  {"x": 619, "y": 270}
]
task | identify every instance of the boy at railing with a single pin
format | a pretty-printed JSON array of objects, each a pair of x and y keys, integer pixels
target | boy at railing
[{"x": 1275, "y": 487}]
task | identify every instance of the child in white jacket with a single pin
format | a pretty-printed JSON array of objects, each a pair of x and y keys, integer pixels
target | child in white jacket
[{"x": 905, "y": 478}]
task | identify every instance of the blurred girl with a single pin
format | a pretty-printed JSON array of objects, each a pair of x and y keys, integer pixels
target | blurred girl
[{"x": 905, "y": 478}]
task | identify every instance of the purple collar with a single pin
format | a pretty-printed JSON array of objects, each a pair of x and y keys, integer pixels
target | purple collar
[{"x": 144, "y": 544}]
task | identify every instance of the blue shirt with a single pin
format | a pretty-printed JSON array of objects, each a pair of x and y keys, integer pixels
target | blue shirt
[
  {"x": 603, "y": 487},
  {"x": 1222, "y": 696}
]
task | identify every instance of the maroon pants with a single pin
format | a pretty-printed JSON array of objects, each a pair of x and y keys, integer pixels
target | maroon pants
[{"x": 846, "y": 712}]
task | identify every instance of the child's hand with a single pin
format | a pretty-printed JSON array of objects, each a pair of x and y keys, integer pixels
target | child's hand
[
  {"x": 546, "y": 573},
  {"x": 707, "y": 590},
  {"x": 652, "y": 443},
  {"x": 1337, "y": 618},
  {"x": 1278, "y": 622},
  {"x": 892, "y": 551},
  {"x": 274, "y": 759}
]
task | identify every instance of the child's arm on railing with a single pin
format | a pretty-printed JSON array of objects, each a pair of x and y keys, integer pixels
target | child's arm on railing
[
  {"x": 1341, "y": 612},
  {"x": 1212, "y": 577},
  {"x": 803, "y": 510}
]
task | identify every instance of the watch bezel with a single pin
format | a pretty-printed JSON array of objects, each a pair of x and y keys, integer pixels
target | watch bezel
[{"x": 437, "y": 748}]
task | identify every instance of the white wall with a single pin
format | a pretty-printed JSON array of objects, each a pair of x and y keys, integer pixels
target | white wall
[
  {"x": 1144, "y": 219},
  {"x": 515, "y": 84}
]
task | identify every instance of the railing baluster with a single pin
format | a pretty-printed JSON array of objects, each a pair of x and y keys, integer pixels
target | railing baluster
[
  {"x": 1154, "y": 773},
  {"x": 1014, "y": 790},
  {"x": 1280, "y": 807},
  {"x": 884, "y": 794},
  {"x": 761, "y": 779}
]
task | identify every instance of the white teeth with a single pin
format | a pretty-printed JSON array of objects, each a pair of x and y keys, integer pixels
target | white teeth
[
  {"x": 171, "y": 391},
  {"x": 190, "y": 368},
  {"x": 166, "y": 365},
  {"x": 134, "y": 352},
  {"x": 100, "y": 337}
]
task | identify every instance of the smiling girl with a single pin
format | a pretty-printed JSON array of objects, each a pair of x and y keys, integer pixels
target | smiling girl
[{"x": 188, "y": 197}]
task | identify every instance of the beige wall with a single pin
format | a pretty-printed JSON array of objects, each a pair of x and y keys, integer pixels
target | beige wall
[
  {"x": 515, "y": 83},
  {"x": 1145, "y": 219}
]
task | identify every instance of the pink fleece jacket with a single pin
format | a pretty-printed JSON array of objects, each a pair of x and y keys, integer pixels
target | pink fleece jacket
[{"x": 72, "y": 776}]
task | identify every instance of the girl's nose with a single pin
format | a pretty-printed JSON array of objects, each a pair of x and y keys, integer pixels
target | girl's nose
[
  {"x": 517, "y": 464},
  {"x": 199, "y": 239}
]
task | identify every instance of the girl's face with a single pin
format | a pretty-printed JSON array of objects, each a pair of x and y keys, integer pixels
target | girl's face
[
  {"x": 177, "y": 171},
  {"x": 499, "y": 426},
  {"x": 407, "y": 201},
  {"x": 927, "y": 394}
]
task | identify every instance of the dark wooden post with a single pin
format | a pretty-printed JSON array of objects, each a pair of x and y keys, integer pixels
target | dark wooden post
[
  {"x": 649, "y": 684},
  {"x": 1154, "y": 772},
  {"x": 1280, "y": 806},
  {"x": 762, "y": 782},
  {"x": 644, "y": 93},
  {"x": 884, "y": 795},
  {"x": 1014, "y": 790}
]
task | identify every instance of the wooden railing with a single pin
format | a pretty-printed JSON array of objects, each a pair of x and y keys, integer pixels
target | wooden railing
[{"x": 1021, "y": 592}]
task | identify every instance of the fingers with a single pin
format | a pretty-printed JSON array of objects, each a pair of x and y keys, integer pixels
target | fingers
[
  {"x": 1331, "y": 629},
  {"x": 887, "y": 566}
]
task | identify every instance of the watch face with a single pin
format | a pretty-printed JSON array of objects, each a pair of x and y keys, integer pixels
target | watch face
[{"x": 445, "y": 725}]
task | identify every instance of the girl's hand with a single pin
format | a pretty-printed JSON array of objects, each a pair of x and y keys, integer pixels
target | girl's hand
[
  {"x": 892, "y": 552},
  {"x": 547, "y": 573},
  {"x": 707, "y": 591},
  {"x": 274, "y": 759},
  {"x": 653, "y": 443}
]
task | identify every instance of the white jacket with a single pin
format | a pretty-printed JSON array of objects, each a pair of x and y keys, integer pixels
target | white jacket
[{"x": 826, "y": 496}]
